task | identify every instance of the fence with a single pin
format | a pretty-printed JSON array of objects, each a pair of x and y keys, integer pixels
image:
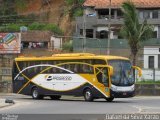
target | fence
[
  {"x": 100, "y": 44},
  {"x": 150, "y": 74},
  {"x": 81, "y": 44}
]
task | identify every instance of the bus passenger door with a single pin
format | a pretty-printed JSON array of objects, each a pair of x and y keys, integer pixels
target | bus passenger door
[{"x": 102, "y": 75}]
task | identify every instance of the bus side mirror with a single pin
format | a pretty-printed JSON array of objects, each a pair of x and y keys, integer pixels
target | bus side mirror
[
  {"x": 110, "y": 68},
  {"x": 138, "y": 69}
]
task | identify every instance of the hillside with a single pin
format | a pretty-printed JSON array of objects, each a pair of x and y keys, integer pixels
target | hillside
[{"x": 52, "y": 11}]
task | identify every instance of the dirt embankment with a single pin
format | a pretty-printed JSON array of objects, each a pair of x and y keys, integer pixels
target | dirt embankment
[{"x": 51, "y": 11}]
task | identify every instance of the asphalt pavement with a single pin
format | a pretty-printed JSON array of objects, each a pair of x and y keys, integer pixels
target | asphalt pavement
[
  {"x": 75, "y": 108},
  {"x": 73, "y": 105}
]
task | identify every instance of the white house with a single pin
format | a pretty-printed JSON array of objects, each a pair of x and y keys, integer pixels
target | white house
[{"x": 152, "y": 57}]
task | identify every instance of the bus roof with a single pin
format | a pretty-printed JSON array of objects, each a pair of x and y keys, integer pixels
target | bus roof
[{"x": 69, "y": 56}]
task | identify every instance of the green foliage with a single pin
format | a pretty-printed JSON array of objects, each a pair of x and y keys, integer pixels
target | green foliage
[
  {"x": 10, "y": 28},
  {"x": 21, "y": 4},
  {"x": 53, "y": 28},
  {"x": 74, "y": 7},
  {"x": 34, "y": 26},
  {"x": 69, "y": 2},
  {"x": 37, "y": 26},
  {"x": 68, "y": 46},
  {"x": 78, "y": 12},
  {"x": 132, "y": 30},
  {"x": 72, "y": 2},
  {"x": 50, "y": 27}
]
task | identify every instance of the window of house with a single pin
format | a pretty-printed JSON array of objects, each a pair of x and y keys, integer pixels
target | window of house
[
  {"x": 151, "y": 62},
  {"x": 159, "y": 60},
  {"x": 89, "y": 33},
  {"x": 81, "y": 32},
  {"x": 119, "y": 14},
  {"x": 155, "y": 34},
  {"x": 103, "y": 34},
  {"x": 146, "y": 14},
  {"x": 141, "y": 14},
  {"x": 103, "y": 13},
  {"x": 155, "y": 14}
]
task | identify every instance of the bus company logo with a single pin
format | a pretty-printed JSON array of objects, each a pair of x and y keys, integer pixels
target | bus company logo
[{"x": 56, "y": 77}]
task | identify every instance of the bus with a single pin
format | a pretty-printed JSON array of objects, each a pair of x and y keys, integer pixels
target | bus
[{"x": 77, "y": 74}]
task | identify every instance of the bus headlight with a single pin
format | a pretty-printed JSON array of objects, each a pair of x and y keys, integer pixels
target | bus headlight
[
  {"x": 114, "y": 88},
  {"x": 132, "y": 88}
]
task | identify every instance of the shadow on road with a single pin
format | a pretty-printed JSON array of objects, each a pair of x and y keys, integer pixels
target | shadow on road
[{"x": 79, "y": 100}]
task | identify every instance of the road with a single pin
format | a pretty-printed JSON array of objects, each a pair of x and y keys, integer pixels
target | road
[{"x": 71, "y": 105}]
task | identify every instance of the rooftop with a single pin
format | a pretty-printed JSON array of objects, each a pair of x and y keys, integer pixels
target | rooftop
[
  {"x": 36, "y": 36},
  {"x": 69, "y": 56},
  {"x": 100, "y": 4}
]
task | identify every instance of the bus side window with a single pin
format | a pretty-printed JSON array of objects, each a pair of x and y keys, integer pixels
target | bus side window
[
  {"x": 102, "y": 75},
  {"x": 86, "y": 69},
  {"x": 31, "y": 63},
  {"x": 35, "y": 68},
  {"x": 76, "y": 67},
  {"x": 97, "y": 62},
  {"x": 15, "y": 69}
]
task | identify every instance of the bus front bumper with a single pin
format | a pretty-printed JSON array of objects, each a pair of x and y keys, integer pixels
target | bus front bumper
[{"x": 124, "y": 94}]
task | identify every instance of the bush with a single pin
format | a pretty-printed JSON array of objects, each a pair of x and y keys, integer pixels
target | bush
[
  {"x": 10, "y": 28},
  {"x": 21, "y": 4},
  {"x": 78, "y": 12},
  {"x": 53, "y": 28},
  {"x": 68, "y": 46},
  {"x": 37, "y": 26}
]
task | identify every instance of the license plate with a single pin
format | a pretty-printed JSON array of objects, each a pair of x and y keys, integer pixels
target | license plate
[{"x": 124, "y": 93}]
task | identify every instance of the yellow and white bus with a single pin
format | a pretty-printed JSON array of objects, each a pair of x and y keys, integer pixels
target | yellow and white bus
[{"x": 78, "y": 74}]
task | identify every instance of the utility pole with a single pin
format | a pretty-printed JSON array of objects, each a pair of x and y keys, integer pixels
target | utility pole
[
  {"x": 84, "y": 32},
  {"x": 109, "y": 29}
]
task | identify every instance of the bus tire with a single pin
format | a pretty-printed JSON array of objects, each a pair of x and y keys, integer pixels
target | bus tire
[
  {"x": 35, "y": 94},
  {"x": 55, "y": 97},
  {"x": 110, "y": 99},
  {"x": 88, "y": 96}
]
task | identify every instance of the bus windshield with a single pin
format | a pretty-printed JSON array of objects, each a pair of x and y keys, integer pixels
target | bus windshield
[{"x": 123, "y": 73}]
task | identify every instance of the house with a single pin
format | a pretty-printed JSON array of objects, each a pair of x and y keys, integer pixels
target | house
[
  {"x": 39, "y": 43},
  {"x": 94, "y": 27},
  {"x": 96, "y": 17},
  {"x": 35, "y": 39}
]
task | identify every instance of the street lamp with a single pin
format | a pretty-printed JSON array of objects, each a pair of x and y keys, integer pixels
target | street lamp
[{"x": 109, "y": 29}]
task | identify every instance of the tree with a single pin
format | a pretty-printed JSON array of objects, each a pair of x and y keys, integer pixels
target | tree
[
  {"x": 74, "y": 7},
  {"x": 134, "y": 31}
]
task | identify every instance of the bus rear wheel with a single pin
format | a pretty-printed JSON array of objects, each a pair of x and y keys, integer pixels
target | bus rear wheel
[
  {"x": 88, "y": 96},
  {"x": 55, "y": 97},
  {"x": 110, "y": 99},
  {"x": 35, "y": 94}
]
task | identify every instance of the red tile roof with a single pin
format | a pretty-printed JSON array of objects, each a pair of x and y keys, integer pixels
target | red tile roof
[{"x": 117, "y": 3}]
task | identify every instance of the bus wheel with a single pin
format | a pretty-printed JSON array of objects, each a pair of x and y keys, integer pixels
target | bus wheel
[
  {"x": 110, "y": 99},
  {"x": 35, "y": 94},
  {"x": 88, "y": 96},
  {"x": 55, "y": 97}
]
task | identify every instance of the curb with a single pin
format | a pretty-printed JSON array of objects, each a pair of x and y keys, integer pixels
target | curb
[{"x": 7, "y": 94}]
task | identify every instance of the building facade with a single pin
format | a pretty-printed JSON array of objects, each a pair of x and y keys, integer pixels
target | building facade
[
  {"x": 95, "y": 20},
  {"x": 94, "y": 24}
]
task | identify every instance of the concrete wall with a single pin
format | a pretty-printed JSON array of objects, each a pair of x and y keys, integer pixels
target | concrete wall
[
  {"x": 55, "y": 43},
  {"x": 147, "y": 89}
]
